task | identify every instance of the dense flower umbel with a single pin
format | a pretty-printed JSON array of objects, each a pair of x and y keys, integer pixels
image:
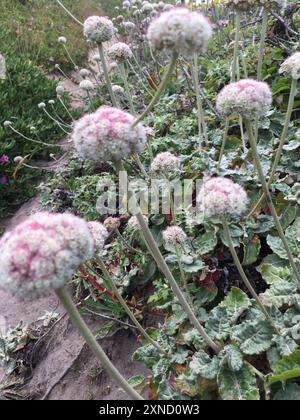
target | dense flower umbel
[
  {"x": 107, "y": 134},
  {"x": 112, "y": 224},
  {"x": 165, "y": 163},
  {"x": 221, "y": 197},
  {"x": 180, "y": 30},
  {"x": 42, "y": 253},
  {"x": 120, "y": 52},
  {"x": 249, "y": 98},
  {"x": 291, "y": 66},
  {"x": 174, "y": 235},
  {"x": 98, "y": 29},
  {"x": 99, "y": 234}
]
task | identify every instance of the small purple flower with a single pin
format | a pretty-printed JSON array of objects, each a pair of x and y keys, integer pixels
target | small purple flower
[
  {"x": 3, "y": 180},
  {"x": 4, "y": 159}
]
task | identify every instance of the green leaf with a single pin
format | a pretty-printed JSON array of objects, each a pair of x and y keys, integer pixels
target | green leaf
[
  {"x": 281, "y": 293},
  {"x": 206, "y": 243},
  {"x": 235, "y": 303},
  {"x": 285, "y": 345},
  {"x": 218, "y": 325},
  {"x": 272, "y": 269},
  {"x": 287, "y": 368},
  {"x": 238, "y": 386},
  {"x": 251, "y": 251},
  {"x": 205, "y": 367},
  {"x": 253, "y": 337},
  {"x": 290, "y": 393},
  {"x": 235, "y": 358},
  {"x": 277, "y": 247}
]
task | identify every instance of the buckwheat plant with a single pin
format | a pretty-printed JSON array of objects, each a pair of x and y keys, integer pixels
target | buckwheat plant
[
  {"x": 166, "y": 164},
  {"x": 178, "y": 31},
  {"x": 252, "y": 99},
  {"x": 40, "y": 256}
]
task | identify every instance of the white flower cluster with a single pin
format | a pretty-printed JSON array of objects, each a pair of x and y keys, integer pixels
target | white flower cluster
[
  {"x": 248, "y": 98},
  {"x": 99, "y": 234},
  {"x": 166, "y": 164},
  {"x": 221, "y": 197},
  {"x": 98, "y": 29},
  {"x": 120, "y": 52},
  {"x": 180, "y": 30},
  {"x": 43, "y": 253},
  {"x": 108, "y": 135},
  {"x": 291, "y": 66},
  {"x": 87, "y": 85},
  {"x": 174, "y": 235}
]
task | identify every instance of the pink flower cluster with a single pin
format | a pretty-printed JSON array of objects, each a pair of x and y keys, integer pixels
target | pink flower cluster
[
  {"x": 42, "y": 254},
  {"x": 180, "y": 30},
  {"x": 248, "y": 98},
  {"x": 99, "y": 234},
  {"x": 165, "y": 163},
  {"x": 108, "y": 135},
  {"x": 221, "y": 197},
  {"x": 98, "y": 29},
  {"x": 174, "y": 235},
  {"x": 291, "y": 66}
]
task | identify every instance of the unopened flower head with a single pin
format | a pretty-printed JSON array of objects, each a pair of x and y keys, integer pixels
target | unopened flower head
[
  {"x": 43, "y": 253},
  {"x": 129, "y": 26},
  {"x": 60, "y": 90},
  {"x": 248, "y": 98},
  {"x": 134, "y": 224},
  {"x": 147, "y": 8},
  {"x": 221, "y": 197},
  {"x": 118, "y": 90},
  {"x": 181, "y": 31},
  {"x": 174, "y": 235},
  {"x": 165, "y": 163},
  {"x": 62, "y": 40},
  {"x": 291, "y": 66},
  {"x": 84, "y": 73},
  {"x": 112, "y": 224},
  {"x": 99, "y": 234},
  {"x": 98, "y": 29},
  {"x": 120, "y": 52},
  {"x": 87, "y": 85},
  {"x": 107, "y": 134}
]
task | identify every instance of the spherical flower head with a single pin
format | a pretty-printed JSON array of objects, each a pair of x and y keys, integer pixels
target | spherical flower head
[
  {"x": 129, "y": 26},
  {"x": 118, "y": 90},
  {"x": 134, "y": 224},
  {"x": 99, "y": 234},
  {"x": 291, "y": 66},
  {"x": 220, "y": 197},
  {"x": 43, "y": 253},
  {"x": 87, "y": 85},
  {"x": 98, "y": 29},
  {"x": 166, "y": 164},
  {"x": 84, "y": 73},
  {"x": 174, "y": 235},
  {"x": 60, "y": 90},
  {"x": 112, "y": 224},
  {"x": 120, "y": 52},
  {"x": 248, "y": 98},
  {"x": 108, "y": 135},
  {"x": 62, "y": 40},
  {"x": 181, "y": 31},
  {"x": 147, "y": 8}
]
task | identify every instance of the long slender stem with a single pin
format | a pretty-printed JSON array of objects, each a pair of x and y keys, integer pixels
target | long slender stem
[
  {"x": 106, "y": 75},
  {"x": 160, "y": 89},
  {"x": 282, "y": 142},
  {"x": 236, "y": 46},
  {"x": 176, "y": 289},
  {"x": 79, "y": 323},
  {"x": 225, "y": 134},
  {"x": 125, "y": 307},
  {"x": 262, "y": 45},
  {"x": 127, "y": 88},
  {"x": 269, "y": 199},
  {"x": 69, "y": 13},
  {"x": 241, "y": 270},
  {"x": 200, "y": 112}
]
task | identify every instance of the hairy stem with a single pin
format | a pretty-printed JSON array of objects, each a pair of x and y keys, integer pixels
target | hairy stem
[
  {"x": 106, "y": 75},
  {"x": 262, "y": 45}
]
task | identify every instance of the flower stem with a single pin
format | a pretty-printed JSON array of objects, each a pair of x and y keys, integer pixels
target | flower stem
[
  {"x": 235, "y": 71},
  {"x": 69, "y": 13},
  {"x": 282, "y": 142},
  {"x": 183, "y": 276},
  {"x": 106, "y": 75},
  {"x": 160, "y": 89},
  {"x": 223, "y": 144},
  {"x": 79, "y": 323},
  {"x": 269, "y": 199},
  {"x": 176, "y": 289},
  {"x": 264, "y": 28},
  {"x": 241, "y": 270},
  {"x": 111, "y": 283},
  {"x": 200, "y": 112},
  {"x": 127, "y": 88}
]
